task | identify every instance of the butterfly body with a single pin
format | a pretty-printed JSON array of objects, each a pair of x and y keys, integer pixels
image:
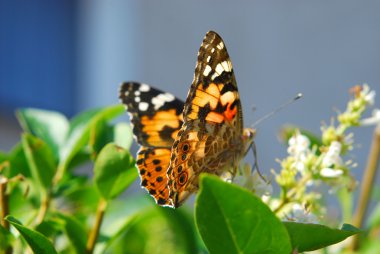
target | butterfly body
[{"x": 180, "y": 140}]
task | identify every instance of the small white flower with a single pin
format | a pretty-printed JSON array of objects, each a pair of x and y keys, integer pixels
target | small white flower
[
  {"x": 332, "y": 157},
  {"x": 298, "y": 145},
  {"x": 373, "y": 120},
  {"x": 368, "y": 94},
  {"x": 299, "y": 214},
  {"x": 253, "y": 181},
  {"x": 298, "y": 149},
  {"x": 331, "y": 173}
]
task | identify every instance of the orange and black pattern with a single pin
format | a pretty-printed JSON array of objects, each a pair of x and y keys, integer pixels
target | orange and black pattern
[
  {"x": 180, "y": 140},
  {"x": 156, "y": 116}
]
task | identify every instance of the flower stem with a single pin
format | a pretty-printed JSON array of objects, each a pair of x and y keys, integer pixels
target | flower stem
[
  {"x": 287, "y": 198},
  {"x": 94, "y": 233},
  {"x": 367, "y": 185}
]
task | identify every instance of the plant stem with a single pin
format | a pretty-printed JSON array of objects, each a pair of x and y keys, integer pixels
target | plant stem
[
  {"x": 45, "y": 202},
  {"x": 4, "y": 204},
  {"x": 94, "y": 233},
  {"x": 4, "y": 208},
  {"x": 367, "y": 185},
  {"x": 291, "y": 193}
]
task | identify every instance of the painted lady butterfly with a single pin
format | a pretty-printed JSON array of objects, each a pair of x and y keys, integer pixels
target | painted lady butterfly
[{"x": 181, "y": 140}]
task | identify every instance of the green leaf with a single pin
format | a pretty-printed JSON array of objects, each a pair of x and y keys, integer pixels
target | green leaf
[
  {"x": 40, "y": 159},
  {"x": 18, "y": 161},
  {"x": 37, "y": 242},
  {"x": 123, "y": 135},
  {"x": 3, "y": 156},
  {"x": 102, "y": 133},
  {"x": 114, "y": 171},
  {"x": 232, "y": 220},
  {"x": 79, "y": 131},
  {"x": 99, "y": 136},
  {"x": 152, "y": 230},
  {"x": 75, "y": 231},
  {"x": 308, "y": 237},
  {"x": 50, "y": 126},
  {"x": 5, "y": 238}
]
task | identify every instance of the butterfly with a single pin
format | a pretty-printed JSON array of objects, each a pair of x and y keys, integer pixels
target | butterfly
[{"x": 180, "y": 140}]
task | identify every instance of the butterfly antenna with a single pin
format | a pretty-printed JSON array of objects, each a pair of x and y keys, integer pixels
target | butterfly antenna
[{"x": 298, "y": 96}]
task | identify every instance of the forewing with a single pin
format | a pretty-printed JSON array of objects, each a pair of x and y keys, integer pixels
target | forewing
[
  {"x": 212, "y": 120},
  {"x": 156, "y": 116}
]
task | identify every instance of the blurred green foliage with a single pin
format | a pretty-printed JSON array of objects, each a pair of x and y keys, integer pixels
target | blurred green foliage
[{"x": 61, "y": 208}]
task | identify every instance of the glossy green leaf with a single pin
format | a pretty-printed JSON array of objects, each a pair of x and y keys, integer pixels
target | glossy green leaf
[
  {"x": 154, "y": 230},
  {"x": 308, "y": 237},
  {"x": 75, "y": 231},
  {"x": 50, "y": 126},
  {"x": 40, "y": 160},
  {"x": 114, "y": 171},
  {"x": 232, "y": 220},
  {"x": 79, "y": 131},
  {"x": 37, "y": 242}
]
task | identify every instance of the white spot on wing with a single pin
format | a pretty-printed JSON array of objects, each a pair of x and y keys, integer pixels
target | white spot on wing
[
  {"x": 220, "y": 45},
  {"x": 214, "y": 75},
  {"x": 137, "y": 99},
  {"x": 144, "y": 88},
  {"x": 160, "y": 100},
  {"x": 208, "y": 59},
  {"x": 207, "y": 70},
  {"x": 212, "y": 50},
  {"x": 137, "y": 93},
  {"x": 219, "y": 68},
  {"x": 143, "y": 106},
  {"x": 227, "y": 66}
]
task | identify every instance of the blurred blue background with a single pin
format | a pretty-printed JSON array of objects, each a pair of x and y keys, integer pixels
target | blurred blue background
[{"x": 72, "y": 55}]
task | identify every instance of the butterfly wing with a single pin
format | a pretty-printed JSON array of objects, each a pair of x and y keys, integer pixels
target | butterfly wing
[
  {"x": 156, "y": 116},
  {"x": 209, "y": 139},
  {"x": 153, "y": 164}
]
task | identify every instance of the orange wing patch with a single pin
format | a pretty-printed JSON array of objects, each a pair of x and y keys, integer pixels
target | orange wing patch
[
  {"x": 152, "y": 164},
  {"x": 163, "y": 123},
  {"x": 214, "y": 103},
  {"x": 156, "y": 116}
]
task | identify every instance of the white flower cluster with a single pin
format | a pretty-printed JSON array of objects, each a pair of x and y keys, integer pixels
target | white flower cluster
[{"x": 252, "y": 181}]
